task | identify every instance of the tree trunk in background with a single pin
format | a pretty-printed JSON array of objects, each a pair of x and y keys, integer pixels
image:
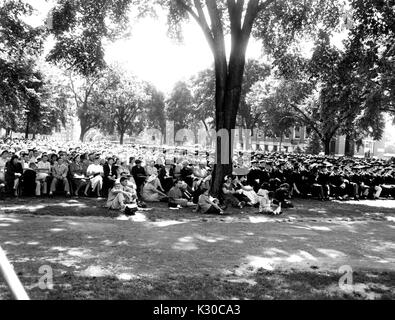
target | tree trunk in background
[
  {"x": 83, "y": 133},
  {"x": 27, "y": 128},
  {"x": 84, "y": 128},
  {"x": 350, "y": 147},
  {"x": 228, "y": 100},
  {"x": 241, "y": 138},
  {"x": 121, "y": 136},
  {"x": 327, "y": 146},
  {"x": 281, "y": 141}
]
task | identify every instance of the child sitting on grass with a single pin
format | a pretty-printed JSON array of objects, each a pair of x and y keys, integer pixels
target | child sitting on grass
[{"x": 265, "y": 202}]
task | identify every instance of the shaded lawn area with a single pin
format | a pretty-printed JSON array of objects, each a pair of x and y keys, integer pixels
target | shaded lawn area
[
  {"x": 262, "y": 285},
  {"x": 311, "y": 210},
  {"x": 183, "y": 255}
]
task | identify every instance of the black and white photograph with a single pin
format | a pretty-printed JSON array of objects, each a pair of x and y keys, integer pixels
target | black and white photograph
[{"x": 197, "y": 150}]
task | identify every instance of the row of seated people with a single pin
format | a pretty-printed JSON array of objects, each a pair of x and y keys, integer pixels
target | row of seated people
[
  {"x": 87, "y": 174},
  {"x": 327, "y": 182},
  {"x": 180, "y": 185}
]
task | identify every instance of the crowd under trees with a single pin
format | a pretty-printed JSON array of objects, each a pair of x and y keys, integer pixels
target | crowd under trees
[{"x": 333, "y": 91}]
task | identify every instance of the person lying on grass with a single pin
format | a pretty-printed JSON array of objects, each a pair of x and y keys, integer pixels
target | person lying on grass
[{"x": 208, "y": 204}]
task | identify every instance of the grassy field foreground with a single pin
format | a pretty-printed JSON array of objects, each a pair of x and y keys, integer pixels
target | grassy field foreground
[{"x": 162, "y": 254}]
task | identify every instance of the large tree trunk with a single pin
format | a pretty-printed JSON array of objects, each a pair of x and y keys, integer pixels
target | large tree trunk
[
  {"x": 227, "y": 103},
  {"x": 84, "y": 128},
  {"x": 83, "y": 133},
  {"x": 228, "y": 77},
  {"x": 121, "y": 136}
]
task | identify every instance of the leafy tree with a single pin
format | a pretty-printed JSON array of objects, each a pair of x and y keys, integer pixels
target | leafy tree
[
  {"x": 269, "y": 101},
  {"x": 329, "y": 92},
  {"x": 88, "y": 98},
  {"x": 371, "y": 50},
  {"x": 80, "y": 27},
  {"x": 19, "y": 44},
  {"x": 202, "y": 87},
  {"x": 155, "y": 109},
  {"x": 18, "y": 39},
  {"x": 314, "y": 146},
  {"x": 278, "y": 23},
  {"x": 254, "y": 71},
  {"x": 179, "y": 106},
  {"x": 124, "y": 106}
]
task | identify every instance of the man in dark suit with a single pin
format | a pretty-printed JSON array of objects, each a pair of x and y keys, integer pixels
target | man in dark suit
[
  {"x": 139, "y": 175},
  {"x": 110, "y": 175}
]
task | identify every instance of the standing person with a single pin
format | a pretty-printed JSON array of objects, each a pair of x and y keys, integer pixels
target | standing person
[
  {"x": 110, "y": 175},
  {"x": 95, "y": 174},
  {"x": 13, "y": 173},
  {"x": 59, "y": 174},
  {"x": 139, "y": 175}
]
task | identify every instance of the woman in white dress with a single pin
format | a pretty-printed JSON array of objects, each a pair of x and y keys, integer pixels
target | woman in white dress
[{"x": 95, "y": 174}]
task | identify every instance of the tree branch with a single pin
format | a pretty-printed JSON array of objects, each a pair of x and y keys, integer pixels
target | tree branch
[
  {"x": 217, "y": 30},
  {"x": 252, "y": 11},
  {"x": 307, "y": 120},
  {"x": 200, "y": 18}
]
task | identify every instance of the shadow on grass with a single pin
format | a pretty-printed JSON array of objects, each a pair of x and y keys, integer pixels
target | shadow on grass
[
  {"x": 263, "y": 285},
  {"x": 304, "y": 209}
]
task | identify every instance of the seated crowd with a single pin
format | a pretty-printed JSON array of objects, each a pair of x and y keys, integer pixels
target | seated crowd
[{"x": 268, "y": 182}]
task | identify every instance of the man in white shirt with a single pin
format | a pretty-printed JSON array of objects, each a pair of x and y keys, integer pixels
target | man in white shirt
[
  {"x": 120, "y": 195},
  {"x": 43, "y": 170},
  {"x": 59, "y": 173}
]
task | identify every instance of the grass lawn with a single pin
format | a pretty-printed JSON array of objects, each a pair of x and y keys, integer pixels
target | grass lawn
[{"x": 163, "y": 254}]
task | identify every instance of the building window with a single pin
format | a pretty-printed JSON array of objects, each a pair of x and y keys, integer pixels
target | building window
[
  {"x": 266, "y": 147},
  {"x": 275, "y": 148},
  {"x": 297, "y": 132}
]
